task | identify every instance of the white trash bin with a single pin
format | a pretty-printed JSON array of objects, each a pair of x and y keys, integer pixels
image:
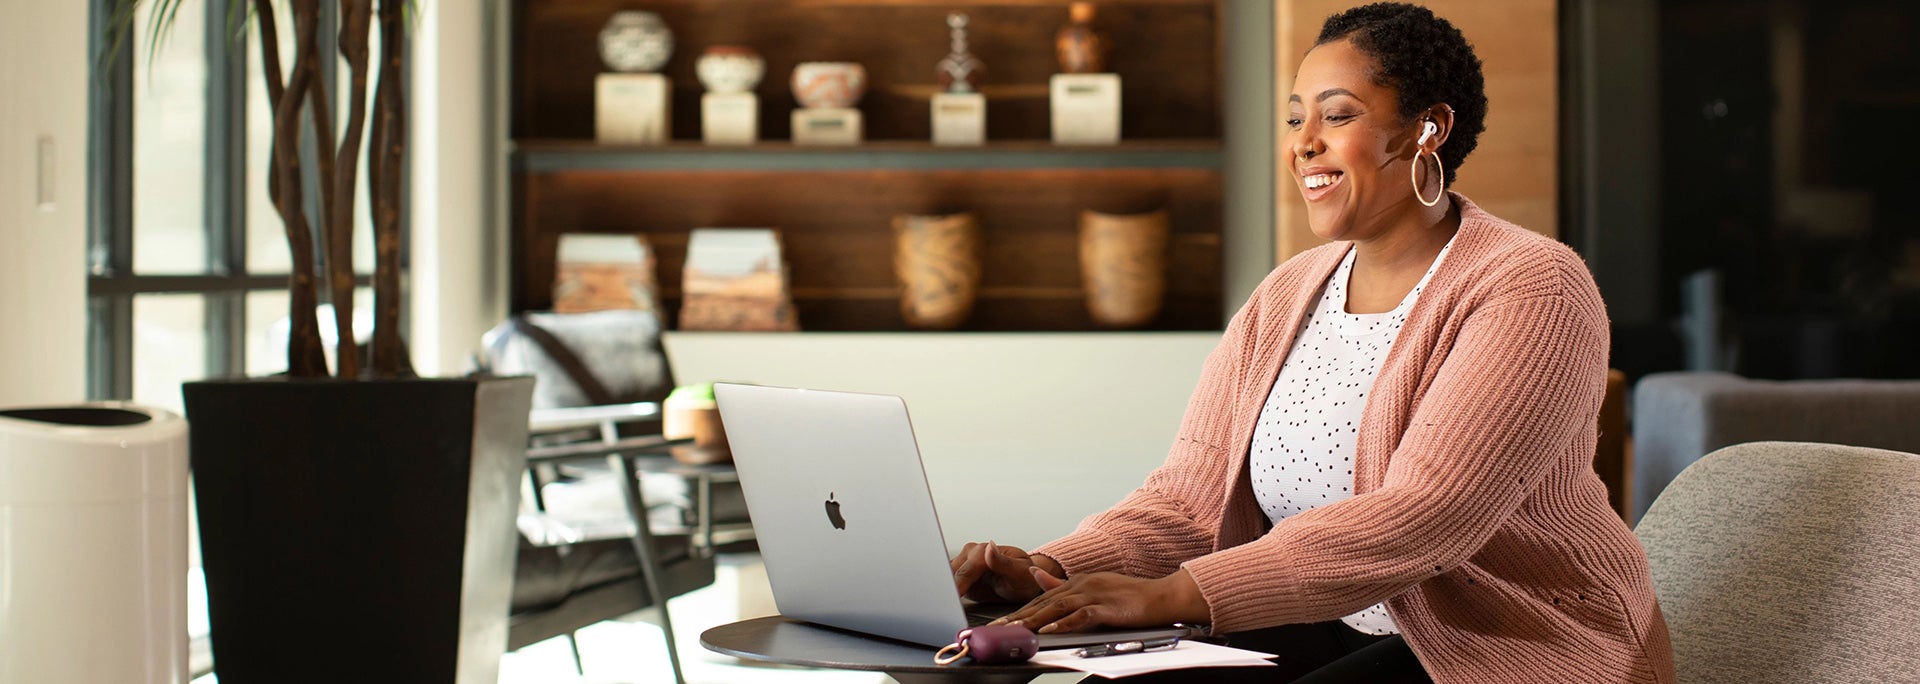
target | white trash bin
[{"x": 93, "y": 545}]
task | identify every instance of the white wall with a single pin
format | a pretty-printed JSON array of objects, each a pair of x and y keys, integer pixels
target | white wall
[
  {"x": 43, "y": 93},
  {"x": 459, "y": 280},
  {"x": 1023, "y": 434}
]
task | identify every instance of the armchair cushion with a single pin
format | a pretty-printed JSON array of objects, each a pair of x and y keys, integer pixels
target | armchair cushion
[
  {"x": 546, "y": 575},
  {"x": 617, "y": 350},
  {"x": 1790, "y": 562}
]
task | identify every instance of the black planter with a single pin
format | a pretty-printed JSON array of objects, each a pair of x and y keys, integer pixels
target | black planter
[{"x": 358, "y": 530}]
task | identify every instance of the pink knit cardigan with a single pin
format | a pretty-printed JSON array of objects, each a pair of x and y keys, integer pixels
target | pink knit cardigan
[{"x": 1476, "y": 515}]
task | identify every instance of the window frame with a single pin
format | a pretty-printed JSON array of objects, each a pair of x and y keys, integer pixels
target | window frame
[{"x": 112, "y": 282}]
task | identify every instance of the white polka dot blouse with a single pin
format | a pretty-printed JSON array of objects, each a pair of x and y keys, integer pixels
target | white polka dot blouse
[{"x": 1302, "y": 452}]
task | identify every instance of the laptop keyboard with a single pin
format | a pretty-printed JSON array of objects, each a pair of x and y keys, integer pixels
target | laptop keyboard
[{"x": 981, "y": 615}]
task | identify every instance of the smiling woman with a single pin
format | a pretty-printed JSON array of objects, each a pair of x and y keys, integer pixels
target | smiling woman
[{"x": 1385, "y": 473}]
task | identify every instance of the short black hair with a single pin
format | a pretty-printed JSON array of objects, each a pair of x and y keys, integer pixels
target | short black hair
[{"x": 1426, "y": 61}]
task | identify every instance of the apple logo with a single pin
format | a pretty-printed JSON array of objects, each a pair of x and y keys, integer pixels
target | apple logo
[{"x": 833, "y": 513}]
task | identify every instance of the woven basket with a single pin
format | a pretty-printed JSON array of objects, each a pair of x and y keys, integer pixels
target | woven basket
[
  {"x": 937, "y": 259},
  {"x": 1123, "y": 259}
]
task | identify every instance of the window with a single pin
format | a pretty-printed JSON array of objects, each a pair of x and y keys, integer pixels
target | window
[{"x": 187, "y": 259}]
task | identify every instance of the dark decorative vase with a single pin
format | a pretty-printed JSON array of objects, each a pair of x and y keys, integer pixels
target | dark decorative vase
[
  {"x": 358, "y": 528},
  {"x": 1081, "y": 49},
  {"x": 960, "y": 71}
]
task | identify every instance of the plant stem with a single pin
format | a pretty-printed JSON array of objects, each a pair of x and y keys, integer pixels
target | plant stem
[
  {"x": 385, "y": 181},
  {"x": 336, "y": 243},
  {"x": 305, "y": 358},
  {"x": 356, "y": 17}
]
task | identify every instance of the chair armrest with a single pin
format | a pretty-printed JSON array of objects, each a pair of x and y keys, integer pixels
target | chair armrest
[
  {"x": 649, "y": 445},
  {"x": 541, "y": 421}
]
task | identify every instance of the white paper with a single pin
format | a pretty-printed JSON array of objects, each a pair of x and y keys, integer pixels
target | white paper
[
  {"x": 597, "y": 248},
  {"x": 733, "y": 252},
  {"x": 1187, "y": 654}
]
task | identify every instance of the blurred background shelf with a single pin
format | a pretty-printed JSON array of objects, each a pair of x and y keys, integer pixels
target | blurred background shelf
[
  {"x": 538, "y": 156},
  {"x": 834, "y": 206}
]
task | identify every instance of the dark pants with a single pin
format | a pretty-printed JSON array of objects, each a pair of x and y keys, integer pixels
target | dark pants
[{"x": 1319, "y": 653}]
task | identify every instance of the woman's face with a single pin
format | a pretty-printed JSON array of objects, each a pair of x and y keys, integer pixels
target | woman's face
[{"x": 1347, "y": 148}]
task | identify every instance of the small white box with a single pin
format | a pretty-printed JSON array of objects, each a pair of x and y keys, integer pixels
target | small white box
[
  {"x": 959, "y": 119},
  {"x": 632, "y": 108},
  {"x": 826, "y": 126},
  {"x": 730, "y": 118},
  {"x": 1086, "y": 109}
]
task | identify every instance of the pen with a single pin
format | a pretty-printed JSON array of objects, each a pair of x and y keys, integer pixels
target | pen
[{"x": 1125, "y": 647}]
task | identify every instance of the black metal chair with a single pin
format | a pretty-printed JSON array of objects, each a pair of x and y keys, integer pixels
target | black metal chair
[
  {"x": 562, "y": 587},
  {"x": 600, "y": 380}
]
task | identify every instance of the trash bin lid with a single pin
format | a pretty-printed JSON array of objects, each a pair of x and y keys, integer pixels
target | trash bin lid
[{"x": 95, "y": 453}]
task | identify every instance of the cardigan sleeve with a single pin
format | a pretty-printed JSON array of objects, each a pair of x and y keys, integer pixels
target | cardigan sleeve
[
  {"x": 1173, "y": 516},
  {"x": 1521, "y": 378}
]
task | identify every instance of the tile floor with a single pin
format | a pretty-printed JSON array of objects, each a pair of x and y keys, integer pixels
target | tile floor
[{"x": 631, "y": 650}]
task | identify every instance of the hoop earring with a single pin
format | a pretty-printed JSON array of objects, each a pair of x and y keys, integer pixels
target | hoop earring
[{"x": 1414, "y": 171}]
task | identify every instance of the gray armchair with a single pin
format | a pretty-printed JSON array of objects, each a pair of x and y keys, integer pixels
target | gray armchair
[
  {"x": 1680, "y": 417},
  {"x": 1790, "y": 562}
]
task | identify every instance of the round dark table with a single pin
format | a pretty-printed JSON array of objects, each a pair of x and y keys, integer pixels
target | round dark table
[{"x": 777, "y": 639}]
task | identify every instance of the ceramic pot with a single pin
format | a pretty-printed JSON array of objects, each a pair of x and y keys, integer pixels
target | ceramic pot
[
  {"x": 1081, "y": 50},
  {"x": 635, "y": 41},
  {"x": 937, "y": 259},
  {"x": 730, "y": 69},
  {"x": 829, "y": 85},
  {"x": 1123, "y": 259}
]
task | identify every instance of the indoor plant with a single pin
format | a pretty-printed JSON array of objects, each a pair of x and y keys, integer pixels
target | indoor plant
[{"x": 364, "y": 511}]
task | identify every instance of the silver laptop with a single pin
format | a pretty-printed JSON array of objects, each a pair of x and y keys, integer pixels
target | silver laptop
[{"x": 845, "y": 521}]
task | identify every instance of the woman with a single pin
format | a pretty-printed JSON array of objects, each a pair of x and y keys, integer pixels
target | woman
[{"x": 1385, "y": 473}]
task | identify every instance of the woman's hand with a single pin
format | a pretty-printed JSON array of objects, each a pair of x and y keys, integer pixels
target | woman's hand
[
  {"x": 1111, "y": 600},
  {"x": 1001, "y": 574}
]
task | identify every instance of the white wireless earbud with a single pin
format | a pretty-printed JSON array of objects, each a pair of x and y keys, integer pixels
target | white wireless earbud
[{"x": 1427, "y": 132}]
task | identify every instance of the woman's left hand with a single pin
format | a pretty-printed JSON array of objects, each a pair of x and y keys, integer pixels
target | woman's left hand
[{"x": 1106, "y": 599}]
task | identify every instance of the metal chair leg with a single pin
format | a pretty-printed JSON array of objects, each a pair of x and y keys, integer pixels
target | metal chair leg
[
  {"x": 644, "y": 548},
  {"x": 578, "y": 665}
]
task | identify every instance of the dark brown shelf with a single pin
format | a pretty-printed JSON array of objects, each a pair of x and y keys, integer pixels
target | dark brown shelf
[
  {"x": 1167, "y": 54},
  {"x": 539, "y": 156},
  {"x": 943, "y": 4}
]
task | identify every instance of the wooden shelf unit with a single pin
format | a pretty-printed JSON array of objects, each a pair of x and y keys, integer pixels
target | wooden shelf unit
[
  {"x": 540, "y": 156},
  {"x": 834, "y": 206}
]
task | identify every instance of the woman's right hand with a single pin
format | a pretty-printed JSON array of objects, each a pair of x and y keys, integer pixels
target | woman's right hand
[{"x": 990, "y": 573}]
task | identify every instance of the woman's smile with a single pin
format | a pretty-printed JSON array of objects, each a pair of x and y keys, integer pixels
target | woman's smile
[{"x": 1320, "y": 181}]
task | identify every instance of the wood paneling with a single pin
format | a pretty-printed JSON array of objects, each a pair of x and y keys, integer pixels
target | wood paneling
[
  {"x": 1167, "y": 52},
  {"x": 1514, "y": 172},
  {"x": 836, "y": 228}
]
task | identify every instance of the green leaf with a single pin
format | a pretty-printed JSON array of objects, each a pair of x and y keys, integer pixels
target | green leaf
[
  {"x": 239, "y": 17},
  {"x": 119, "y": 23},
  {"x": 160, "y": 27}
]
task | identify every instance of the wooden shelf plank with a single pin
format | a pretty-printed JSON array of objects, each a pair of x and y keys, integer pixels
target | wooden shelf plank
[
  {"x": 891, "y": 293},
  {"x": 537, "y": 156},
  {"x": 982, "y": 3}
]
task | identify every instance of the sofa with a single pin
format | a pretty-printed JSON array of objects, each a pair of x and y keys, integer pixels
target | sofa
[{"x": 1680, "y": 417}]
